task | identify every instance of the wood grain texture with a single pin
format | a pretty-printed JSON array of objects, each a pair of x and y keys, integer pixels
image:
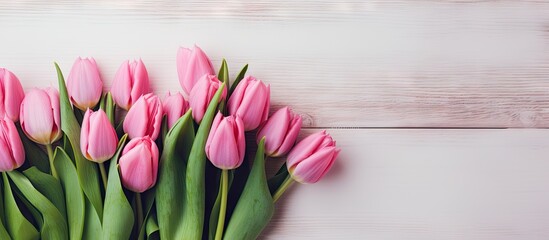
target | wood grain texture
[
  {"x": 425, "y": 184},
  {"x": 338, "y": 63}
]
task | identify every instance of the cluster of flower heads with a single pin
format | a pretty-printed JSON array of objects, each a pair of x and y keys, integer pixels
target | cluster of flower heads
[{"x": 247, "y": 109}]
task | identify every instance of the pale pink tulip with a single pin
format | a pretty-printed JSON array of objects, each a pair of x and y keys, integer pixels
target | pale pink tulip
[
  {"x": 40, "y": 116},
  {"x": 192, "y": 64},
  {"x": 144, "y": 118},
  {"x": 226, "y": 142},
  {"x": 202, "y": 93},
  {"x": 12, "y": 153},
  {"x": 130, "y": 82},
  {"x": 280, "y": 132},
  {"x": 98, "y": 139},
  {"x": 84, "y": 84},
  {"x": 250, "y": 101},
  {"x": 174, "y": 106},
  {"x": 139, "y": 164},
  {"x": 11, "y": 95},
  {"x": 312, "y": 157}
]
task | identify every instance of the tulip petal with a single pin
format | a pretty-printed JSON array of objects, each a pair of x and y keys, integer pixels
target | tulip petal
[
  {"x": 37, "y": 116},
  {"x": 12, "y": 94},
  {"x": 102, "y": 139},
  {"x": 84, "y": 132},
  {"x": 315, "y": 167},
  {"x": 135, "y": 169},
  {"x": 304, "y": 148},
  {"x": 121, "y": 86},
  {"x": 291, "y": 136},
  {"x": 135, "y": 123}
]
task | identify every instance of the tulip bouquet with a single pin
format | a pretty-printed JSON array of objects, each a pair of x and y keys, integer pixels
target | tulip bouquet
[{"x": 78, "y": 163}]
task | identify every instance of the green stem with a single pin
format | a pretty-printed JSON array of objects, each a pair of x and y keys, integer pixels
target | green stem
[
  {"x": 50, "y": 157},
  {"x": 103, "y": 174},
  {"x": 285, "y": 185},
  {"x": 223, "y": 208},
  {"x": 139, "y": 206}
]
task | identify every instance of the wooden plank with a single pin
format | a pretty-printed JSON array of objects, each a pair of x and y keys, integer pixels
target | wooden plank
[
  {"x": 338, "y": 63},
  {"x": 425, "y": 184}
]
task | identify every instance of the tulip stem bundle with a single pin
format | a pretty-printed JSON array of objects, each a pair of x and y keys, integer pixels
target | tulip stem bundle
[
  {"x": 103, "y": 173},
  {"x": 51, "y": 159},
  {"x": 158, "y": 155},
  {"x": 223, "y": 208},
  {"x": 283, "y": 187}
]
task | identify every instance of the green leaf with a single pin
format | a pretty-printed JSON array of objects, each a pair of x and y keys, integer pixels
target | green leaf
[
  {"x": 238, "y": 78},
  {"x": 255, "y": 206},
  {"x": 152, "y": 228},
  {"x": 87, "y": 170},
  {"x": 149, "y": 198},
  {"x": 36, "y": 216},
  {"x": 4, "y": 233},
  {"x": 170, "y": 188},
  {"x": 92, "y": 223},
  {"x": 194, "y": 204},
  {"x": 118, "y": 215},
  {"x": 107, "y": 104},
  {"x": 16, "y": 224},
  {"x": 74, "y": 196},
  {"x": 223, "y": 76},
  {"x": 55, "y": 226},
  {"x": 48, "y": 186},
  {"x": 33, "y": 153}
]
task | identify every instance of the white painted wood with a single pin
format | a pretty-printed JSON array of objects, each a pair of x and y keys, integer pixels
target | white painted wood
[
  {"x": 339, "y": 63},
  {"x": 425, "y": 184}
]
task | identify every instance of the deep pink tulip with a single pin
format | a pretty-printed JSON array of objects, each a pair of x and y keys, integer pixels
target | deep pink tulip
[
  {"x": 192, "y": 64},
  {"x": 250, "y": 101},
  {"x": 144, "y": 118},
  {"x": 139, "y": 164},
  {"x": 202, "y": 93},
  {"x": 174, "y": 106},
  {"x": 11, "y": 95},
  {"x": 84, "y": 84},
  {"x": 40, "y": 117},
  {"x": 98, "y": 139},
  {"x": 131, "y": 81},
  {"x": 12, "y": 153},
  {"x": 226, "y": 142},
  {"x": 280, "y": 132},
  {"x": 311, "y": 158}
]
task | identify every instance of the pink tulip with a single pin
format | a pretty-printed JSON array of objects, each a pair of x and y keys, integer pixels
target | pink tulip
[
  {"x": 12, "y": 153},
  {"x": 192, "y": 64},
  {"x": 311, "y": 158},
  {"x": 144, "y": 118},
  {"x": 226, "y": 142},
  {"x": 139, "y": 164},
  {"x": 250, "y": 101},
  {"x": 280, "y": 132},
  {"x": 40, "y": 117},
  {"x": 202, "y": 93},
  {"x": 84, "y": 83},
  {"x": 174, "y": 106},
  {"x": 131, "y": 81},
  {"x": 98, "y": 139},
  {"x": 11, "y": 95}
]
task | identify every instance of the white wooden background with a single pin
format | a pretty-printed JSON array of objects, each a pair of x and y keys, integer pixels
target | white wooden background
[{"x": 419, "y": 94}]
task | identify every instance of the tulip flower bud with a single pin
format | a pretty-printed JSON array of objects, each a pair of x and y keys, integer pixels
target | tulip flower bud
[
  {"x": 192, "y": 64},
  {"x": 250, "y": 101},
  {"x": 139, "y": 164},
  {"x": 226, "y": 142},
  {"x": 12, "y": 153},
  {"x": 40, "y": 116},
  {"x": 11, "y": 95},
  {"x": 98, "y": 139},
  {"x": 174, "y": 106},
  {"x": 144, "y": 118},
  {"x": 311, "y": 158},
  {"x": 202, "y": 93},
  {"x": 280, "y": 132},
  {"x": 130, "y": 82},
  {"x": 84, "y": 84}
]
